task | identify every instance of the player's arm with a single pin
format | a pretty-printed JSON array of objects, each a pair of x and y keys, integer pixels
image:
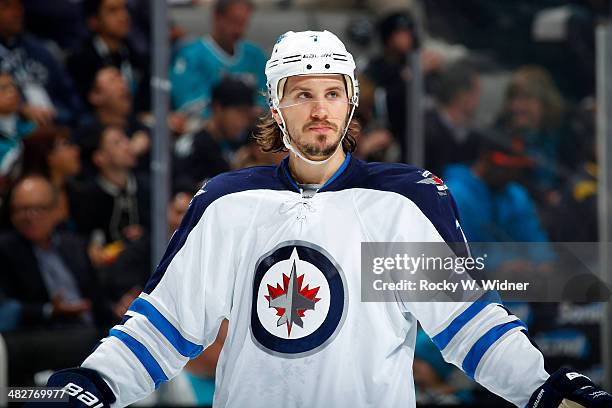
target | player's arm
[
  {"x": 173, "y": 320},
  {"x": 485, "y": 340}
]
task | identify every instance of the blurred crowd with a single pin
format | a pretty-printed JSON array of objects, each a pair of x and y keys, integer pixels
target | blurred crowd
[{"x": 76, "y": 135}]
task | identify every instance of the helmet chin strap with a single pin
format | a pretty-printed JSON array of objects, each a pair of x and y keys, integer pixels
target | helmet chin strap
[{"x": 295, "y": 150}]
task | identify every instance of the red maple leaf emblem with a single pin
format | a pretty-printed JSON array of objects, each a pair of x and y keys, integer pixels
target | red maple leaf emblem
[{"x": 306, "y": 291}]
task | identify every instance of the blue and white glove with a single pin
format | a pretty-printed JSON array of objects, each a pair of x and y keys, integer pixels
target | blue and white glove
[
  {"x": 85, "y": 387},
  {"x": 569, "y": 389}
]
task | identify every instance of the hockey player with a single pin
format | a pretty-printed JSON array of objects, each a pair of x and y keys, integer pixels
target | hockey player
[{"x": 275, "y": 250}]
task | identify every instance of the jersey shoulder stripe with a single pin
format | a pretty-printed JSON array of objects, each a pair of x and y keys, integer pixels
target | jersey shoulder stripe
[{"x": 252, "y": 178}]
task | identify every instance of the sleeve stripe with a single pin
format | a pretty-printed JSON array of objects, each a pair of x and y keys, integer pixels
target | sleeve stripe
[
  {"x": 487, "y": 356},
  {"x": 473, "y": 357},
  {"x": 442, "y": 339},
  {"x": 144, "y": 356},
  {"x": 185, "y": 347}
]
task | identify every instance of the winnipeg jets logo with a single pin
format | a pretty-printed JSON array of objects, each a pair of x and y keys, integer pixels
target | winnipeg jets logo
[
  {"x": 292, "y": 301},
  {"x": 430, "y": 178},
  {"x": 299, "y": 300}
]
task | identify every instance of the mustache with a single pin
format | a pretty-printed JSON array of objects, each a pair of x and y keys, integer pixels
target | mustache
[{"x": 320, "y": 123}]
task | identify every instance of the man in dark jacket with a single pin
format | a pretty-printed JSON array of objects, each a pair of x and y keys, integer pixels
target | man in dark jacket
[
  {"x": 209, "y": 152},
  {"x": 109, "y": 23},
  {"x": 449, "y": 137},
  {"x": 46, "y": 271}
]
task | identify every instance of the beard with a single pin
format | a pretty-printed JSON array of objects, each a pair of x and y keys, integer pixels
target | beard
[{"x": 324, "y": 145}]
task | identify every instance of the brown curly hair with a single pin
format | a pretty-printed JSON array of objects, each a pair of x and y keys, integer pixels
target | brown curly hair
[{"x": 270, "y": 138}]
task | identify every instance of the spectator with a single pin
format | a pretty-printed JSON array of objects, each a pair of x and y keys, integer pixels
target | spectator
[
  {"x": 202, "y": 64},
  {"x": 114, "y": 205},
  {"x": 47, "y": 88},
  {"x": 50, "y": 152},
  {"x": 13, "y": 128},
  {"x": 375, "y": 142},
  {"x": 46, "y": 270},
  {"x": 494, "y": 207},
  {"x": 210, "y": 151},
  {"x": 490, "y": 201},
  {"x": 448, "y": 137},
  {"x": 112, "y": 105},
  {"x": 127, "y": 276},
  {"x": 535, "y": 110},
  {"x": 109, "y": 23},
  {"x": 575, "y": 218},
  {"x": 390, "y": 71}
]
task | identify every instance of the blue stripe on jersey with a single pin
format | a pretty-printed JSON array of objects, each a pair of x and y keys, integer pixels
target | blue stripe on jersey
[
  {"x": 144, "y": 356},
  {"x": 473, "y": 357},
  {"x": 442, "y": 339},
  {"x": 181, "y": 344},
  {"x": 252, "y": 178},
  {"x": 339, "y": 171}
]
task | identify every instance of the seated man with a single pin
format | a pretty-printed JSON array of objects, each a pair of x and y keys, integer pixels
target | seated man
[
  {"x": 209, "y": 152},
  {"x": 494, "y": 207},
  {"x": 127, "y": 276},
  {"x": 114, "y": 204},
  {"x": 47, "y": 271},
  {"x": 449, "y": 137},
  {"x": 109, "y": 24},
  {"x": 112, "y": 104}
]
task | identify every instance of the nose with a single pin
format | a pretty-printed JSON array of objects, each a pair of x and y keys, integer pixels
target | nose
[{"x": 319, "y": 109}]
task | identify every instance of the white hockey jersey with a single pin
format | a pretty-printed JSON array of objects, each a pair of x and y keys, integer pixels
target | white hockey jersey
[{"x": 285, "y": 271}]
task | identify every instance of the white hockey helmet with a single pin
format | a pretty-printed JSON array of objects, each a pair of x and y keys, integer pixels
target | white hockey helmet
[{"x": 309, "y": 53}]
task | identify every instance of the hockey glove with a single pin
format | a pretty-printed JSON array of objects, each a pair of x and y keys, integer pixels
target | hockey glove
[
  {"x": 568, "y": 389},
  {"x": 85, "y": 388}
]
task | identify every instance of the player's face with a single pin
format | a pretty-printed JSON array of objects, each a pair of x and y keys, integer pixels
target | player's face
[{"x": 315, "y": 109}]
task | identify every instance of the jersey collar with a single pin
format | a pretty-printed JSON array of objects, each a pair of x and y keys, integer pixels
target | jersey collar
[{"x": 334, "y": 183}]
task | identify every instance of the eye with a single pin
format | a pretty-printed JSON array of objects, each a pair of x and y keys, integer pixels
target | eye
[
  {"x": 303, "y": 95},
  {"x": 333, "y": 94}
]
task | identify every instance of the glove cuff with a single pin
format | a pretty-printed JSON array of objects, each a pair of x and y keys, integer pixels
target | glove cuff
[{"x": 84, "y": 386}]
